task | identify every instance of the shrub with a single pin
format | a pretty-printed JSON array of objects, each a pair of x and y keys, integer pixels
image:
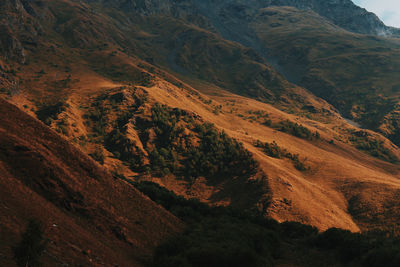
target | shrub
[
  {"x": 48, "y": 113},
  {"x": 29, "y": 250},
  {"x": 273, "y": 150},
  {"x": 218, "y": 156},
  {"x": 364, "y": 142},
  {"x": 215, "y": 236},
  {"x": 98, "y": 155}
]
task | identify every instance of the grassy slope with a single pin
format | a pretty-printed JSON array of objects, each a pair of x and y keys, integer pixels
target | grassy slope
[
  {"x": 356, "y": 73},
  {"x": 319, "y": 196},
  {"x": 85, "y": 213}
]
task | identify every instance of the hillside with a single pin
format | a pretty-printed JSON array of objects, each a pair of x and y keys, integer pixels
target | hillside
[
  {"x": 355, "y": 73},
  {"x": 271, "y": 109},
  {"x": 84, "y": 211},
  {"x": 303, "y": 43}
]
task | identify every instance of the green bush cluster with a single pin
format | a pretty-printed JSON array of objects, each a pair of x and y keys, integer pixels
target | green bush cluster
[
  {"x": 98, "y": 119},
  {"x": 98, "y": 155},
  {"x": 29, "y": 250},
  {"x": 218, "y": 155},
  {"x": 176, "y": 142},
  {"x": 296, "y": 129},
  {"x": 222, "y": 236},
  {"x": 364, "y": 142},
  {"x": 275, "y": 151},
  {"x": 47, "y": 113},
  {"x": 213, "y": 237},
  {"x": 215, "y": 156}
]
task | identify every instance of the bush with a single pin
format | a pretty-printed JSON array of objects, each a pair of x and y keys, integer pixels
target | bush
[
  {"x": 222, "y": 236},
  {"x": 98, "y": 155},
  {"x": 294, "y": 129},
  {"x": 29, "y": 250},
  {"x": 364, "y": 142},
  {"x": 218, "y": 156},
  {"x": 48, "y": 113},
  {"x": 273, "y": 150},
  {"x": 215, "y": 236},
  {"x": 297, "y": 230}
]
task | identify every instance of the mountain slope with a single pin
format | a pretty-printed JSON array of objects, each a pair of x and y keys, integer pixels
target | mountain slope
[
  {"x": 343, "y": 13},
  {"x": 150, "y": 90},
  {"x": 85, "y": 212},
  {"x": 305, "y": 43},
  {"x": 355, "y": 73}
]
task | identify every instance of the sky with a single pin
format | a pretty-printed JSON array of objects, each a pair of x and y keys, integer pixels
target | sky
[{"x": 387, "y": 10}]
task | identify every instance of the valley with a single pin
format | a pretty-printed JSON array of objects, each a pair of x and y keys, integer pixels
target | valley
[{"x": 276, "y": 109}]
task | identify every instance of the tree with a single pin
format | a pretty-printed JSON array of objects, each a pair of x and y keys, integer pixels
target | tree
[{"x": 30, "y": 249}]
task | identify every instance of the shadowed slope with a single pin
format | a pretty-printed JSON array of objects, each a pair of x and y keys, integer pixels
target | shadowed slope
[{"x": 85, "y": 212}]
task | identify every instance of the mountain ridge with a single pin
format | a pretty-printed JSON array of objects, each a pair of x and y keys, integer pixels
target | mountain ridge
[
  {"x": 118, "y": 84},
  {"x": 343, "y": 13}
]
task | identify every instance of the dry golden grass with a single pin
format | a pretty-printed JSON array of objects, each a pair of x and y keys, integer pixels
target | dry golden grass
[{"x": 316, "y": 196}]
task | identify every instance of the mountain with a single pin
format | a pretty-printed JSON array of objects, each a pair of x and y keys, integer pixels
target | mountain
[
  {"x": 84, "y": 211},
  {"x": 343, "y": 13},
  {"x": 285, "y": 44},
  {"x": 283, "y": 109}
]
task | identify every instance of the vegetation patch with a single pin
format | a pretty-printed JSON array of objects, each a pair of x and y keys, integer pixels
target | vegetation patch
[
  {"x": 374, "y": 147},
  {"x": 47, "y": 113},
  {"x": 160, "y": 140},
  {"x": 29, "y": 250},
  {"x": 275, "y": 151},
  {"x": 222, "y": 236},
  {"x": 296, "y": 129}
]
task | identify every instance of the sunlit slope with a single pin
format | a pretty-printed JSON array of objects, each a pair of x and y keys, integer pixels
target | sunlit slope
[
  {"x": 132, "y": 92},
  {"x": 319, "y": 195},
  {"x": 336, "y": 172}
]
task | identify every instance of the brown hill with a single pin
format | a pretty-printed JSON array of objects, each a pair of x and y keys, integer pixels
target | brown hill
[
  {"x": 89, "y": 217},
  {"x": 338, "y": 172},
  {"x": 84, "y": 89}
]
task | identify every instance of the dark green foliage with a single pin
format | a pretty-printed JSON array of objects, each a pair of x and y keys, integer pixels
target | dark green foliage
[
  {"x": 395, "y": 136},
  {"x": 275, "y": 151},
  {"x": 174, "y": 141},
  {"x": 98, "y": 118},
  {"x": 296, "y": 129},
  {"x": 121, "y": 147},
  {"x": 98, "y": 155},
  {"x": 48, "y": 113},
  {"x": 383, "y": 256},
  {"x": 31, "y": 246},
  {"x": 214, "y": 236},
  {"x": 218, "y": 156},
  {"x": 298, "y": 164},
  {"x": 364, "y": 142},
  {"x": 373, "y": 249},
  {"x": 165, "y": 123},
  {"x": 297, "y": 230},
  {"x": 215, "y": 156},
  {"x": 224, "y": 242},
  {"x": 272, "y": 149},
  {"x": 221, "y": 236},
  {"x": 111, "y": 132},
  {"x": 267, "y": 122}
]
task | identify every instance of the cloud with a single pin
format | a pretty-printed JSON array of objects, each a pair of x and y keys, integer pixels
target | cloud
[{"x": 387, "y": 10}]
